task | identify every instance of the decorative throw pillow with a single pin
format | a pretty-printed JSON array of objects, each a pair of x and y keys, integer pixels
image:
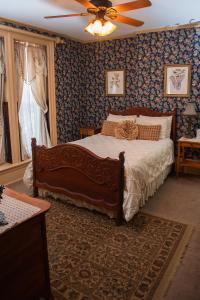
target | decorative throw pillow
[
  {"x": 165, "y": 123},
  {"x": 126, "y": 130},
  {"x": 149, "y": 132},
  {"x": 108, "y": 128}
]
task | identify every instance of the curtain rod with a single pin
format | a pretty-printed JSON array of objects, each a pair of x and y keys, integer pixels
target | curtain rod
[{"x": 29, "y": 44}]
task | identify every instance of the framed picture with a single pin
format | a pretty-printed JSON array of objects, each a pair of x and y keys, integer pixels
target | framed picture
[
  {"x": 177, "y": 80},
  {"x": 115, "y": 83}
]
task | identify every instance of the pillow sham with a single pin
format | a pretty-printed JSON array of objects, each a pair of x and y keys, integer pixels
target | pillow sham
[
  {"x": 108, "y": 128},
  {"x": 149, "y": 132},
  {"x": 120, "y": 118},
  {"x": 126, "y": 130},
  {"x": 165, "y": 123}
]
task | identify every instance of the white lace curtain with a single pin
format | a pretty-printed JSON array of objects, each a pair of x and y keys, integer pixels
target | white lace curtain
[
  {"x": 2, "y": 81},
  {"x": 31, "y": 81}
]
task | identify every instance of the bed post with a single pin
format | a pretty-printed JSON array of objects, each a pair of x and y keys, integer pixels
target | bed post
[
  {"x": 33, "y": 146},
  {"x": 174, "y": 126},
  {"x": 119, "y": 217}
]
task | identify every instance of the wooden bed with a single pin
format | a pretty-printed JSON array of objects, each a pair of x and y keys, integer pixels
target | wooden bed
[{"x": 81, "y": 175}]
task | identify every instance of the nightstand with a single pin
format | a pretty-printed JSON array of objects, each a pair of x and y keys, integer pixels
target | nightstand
[
  {"x": 181, "y": 160},
  {"x": 88, "y": 131}
]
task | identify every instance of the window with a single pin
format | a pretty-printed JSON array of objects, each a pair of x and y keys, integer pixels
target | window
[{"x": 17, "y": 128}]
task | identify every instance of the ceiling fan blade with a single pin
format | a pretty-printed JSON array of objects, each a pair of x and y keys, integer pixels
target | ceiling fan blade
[
  {"x": 66, "y": 16},
  {"x": 129, "y": 21},
  {"x": 132, "y": 5},
  {"x": 86, "y": 3}
]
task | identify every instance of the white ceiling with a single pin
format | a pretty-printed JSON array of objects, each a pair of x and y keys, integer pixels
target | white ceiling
[{"x": 161, "y": 13}]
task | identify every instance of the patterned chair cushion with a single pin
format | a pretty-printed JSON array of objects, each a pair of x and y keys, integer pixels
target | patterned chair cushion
[
  {"x": 149, "y": 132},
  {"x": 126, "y": 130}
]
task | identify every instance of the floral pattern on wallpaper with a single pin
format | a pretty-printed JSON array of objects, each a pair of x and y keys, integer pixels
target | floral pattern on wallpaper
[
  {"x": 143, "y": 58},
  {"x": 68, "y": 63},
  {"x": 80, "y": 77}
]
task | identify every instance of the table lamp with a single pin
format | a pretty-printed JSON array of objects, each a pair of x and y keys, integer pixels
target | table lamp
[{"x": 189, "y": 112}]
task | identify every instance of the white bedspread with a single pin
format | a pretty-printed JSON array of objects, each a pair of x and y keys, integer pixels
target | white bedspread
[{"x": 146, "y": 163}]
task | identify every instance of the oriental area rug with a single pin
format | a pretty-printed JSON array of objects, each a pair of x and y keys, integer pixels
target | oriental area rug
[{"x": 93, "y": 259}]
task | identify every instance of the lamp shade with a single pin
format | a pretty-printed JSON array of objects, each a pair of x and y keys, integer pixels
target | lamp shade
[
  {"x": 190, "y": 110},
  {"x": 100, "y": 27}
]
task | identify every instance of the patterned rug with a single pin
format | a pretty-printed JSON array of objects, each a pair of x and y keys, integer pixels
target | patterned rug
[{"x": 93, "y": 259}]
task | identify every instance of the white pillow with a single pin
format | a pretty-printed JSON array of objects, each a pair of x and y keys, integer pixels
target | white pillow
[
  {"x": 165, "y": 122},
  {"x": 120, "y": 118}
]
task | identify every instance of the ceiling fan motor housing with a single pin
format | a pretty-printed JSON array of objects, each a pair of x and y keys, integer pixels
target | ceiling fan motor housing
[{"x": 104, "y": 3}]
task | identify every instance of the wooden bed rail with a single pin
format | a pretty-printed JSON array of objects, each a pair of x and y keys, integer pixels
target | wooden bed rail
[{"x": 81, "y": 175}]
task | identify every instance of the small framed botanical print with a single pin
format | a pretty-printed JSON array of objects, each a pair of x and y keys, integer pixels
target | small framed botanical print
[
  {"x": 115, "y": 83},
  {"x": 177, "y": 79}
]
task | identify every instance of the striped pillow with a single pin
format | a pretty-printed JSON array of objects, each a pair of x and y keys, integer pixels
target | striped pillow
[
  {"x": 108, "y": 128},
  {"x": 149, "y": 132}
]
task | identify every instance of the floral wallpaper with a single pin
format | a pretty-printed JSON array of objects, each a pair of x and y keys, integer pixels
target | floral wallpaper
[
  {"x": 68, "y": 63},
  {"x": 143, "y": 58},
  {"x": 80, "y": 77}
]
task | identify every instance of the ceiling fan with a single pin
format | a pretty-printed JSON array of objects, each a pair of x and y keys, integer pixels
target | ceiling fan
[{"x": 103, "y": 8}]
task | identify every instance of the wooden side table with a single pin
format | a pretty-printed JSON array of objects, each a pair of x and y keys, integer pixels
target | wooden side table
[
  {"x": 24, "y": 265},
  {"x": 88, "y": 131},
  {"x": 181, "y": 160}
]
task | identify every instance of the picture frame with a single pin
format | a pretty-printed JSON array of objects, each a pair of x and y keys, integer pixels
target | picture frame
[
  {"x": 115, "y": 82},
  {"x": 177, "y": 80}
]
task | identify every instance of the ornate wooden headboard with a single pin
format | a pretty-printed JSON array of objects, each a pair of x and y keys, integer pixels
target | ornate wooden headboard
[{"x": 148, "y": 112}]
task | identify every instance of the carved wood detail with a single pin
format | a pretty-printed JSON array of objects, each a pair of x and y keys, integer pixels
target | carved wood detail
[
  {"x": 80, "y": 159},
  {"x": 81, "y": 175}
]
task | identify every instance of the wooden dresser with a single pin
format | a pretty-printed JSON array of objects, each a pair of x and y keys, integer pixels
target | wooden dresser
[{"x": 24, "y": 270}]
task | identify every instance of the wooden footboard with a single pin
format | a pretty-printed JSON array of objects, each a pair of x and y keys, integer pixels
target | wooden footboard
[{"x": 81, "y": 175}]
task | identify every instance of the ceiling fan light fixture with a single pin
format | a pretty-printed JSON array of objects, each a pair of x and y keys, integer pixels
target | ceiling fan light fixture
[
  {"x": 108, "y": 28},
  {"x": 100, "y": 27}
]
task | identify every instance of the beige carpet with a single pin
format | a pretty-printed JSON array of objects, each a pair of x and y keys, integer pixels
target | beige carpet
[{"x": 179, "y": 199}]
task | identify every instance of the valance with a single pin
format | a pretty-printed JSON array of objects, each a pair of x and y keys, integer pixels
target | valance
[
  {"x": 37, "y": 65},
  {"x": 36, "y": 58}
]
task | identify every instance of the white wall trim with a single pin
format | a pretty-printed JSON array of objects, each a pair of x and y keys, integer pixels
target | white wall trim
[{"x": 10, "y": 173}]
